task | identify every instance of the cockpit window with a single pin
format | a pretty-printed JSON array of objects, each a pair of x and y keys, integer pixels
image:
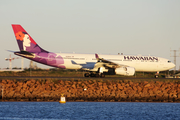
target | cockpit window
[{"x": 169, "y": 61}]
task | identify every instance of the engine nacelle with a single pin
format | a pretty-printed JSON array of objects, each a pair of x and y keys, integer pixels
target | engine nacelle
[{"x": 127, "y": 71}]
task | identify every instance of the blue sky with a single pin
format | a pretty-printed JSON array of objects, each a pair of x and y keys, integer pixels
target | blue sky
[{"x": 96, "y": 26}]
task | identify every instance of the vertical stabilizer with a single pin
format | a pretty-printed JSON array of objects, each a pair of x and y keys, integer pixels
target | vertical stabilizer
[{"x": 25, "y": 41}]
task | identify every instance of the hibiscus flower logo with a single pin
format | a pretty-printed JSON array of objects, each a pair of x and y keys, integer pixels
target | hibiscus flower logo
[{"x": 19, "y": 36}]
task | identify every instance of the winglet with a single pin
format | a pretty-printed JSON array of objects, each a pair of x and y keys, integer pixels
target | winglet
[{"x": 97, "y": 56}]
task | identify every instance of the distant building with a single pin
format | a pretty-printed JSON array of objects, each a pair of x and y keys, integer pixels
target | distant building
[{"x": 33, "y": 65}]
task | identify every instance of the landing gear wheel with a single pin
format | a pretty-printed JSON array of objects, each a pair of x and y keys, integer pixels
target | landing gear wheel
[
  {"x": 97, "y": 75},
  {"x": 156, "y": 76},
  {"x": 102, "y": 75},
  {"x": 86, "y": 75},
  {"x": 92, "y": 75}
]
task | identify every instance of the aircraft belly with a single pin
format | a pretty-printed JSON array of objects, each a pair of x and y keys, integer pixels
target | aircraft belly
[
  {"x": 145, "y": 66},
  {"x": 150, "y": 67}
]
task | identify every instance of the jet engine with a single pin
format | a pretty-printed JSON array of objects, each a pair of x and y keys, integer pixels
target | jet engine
[{"x": 127, "y": 71}]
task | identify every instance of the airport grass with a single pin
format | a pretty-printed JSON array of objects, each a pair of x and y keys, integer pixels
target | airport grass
[
  {"x": 43, "y": 73},
  {"x": 72, "y": 75}
]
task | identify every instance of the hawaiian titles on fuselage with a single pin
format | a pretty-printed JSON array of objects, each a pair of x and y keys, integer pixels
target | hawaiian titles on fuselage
[{"x": 142, "y": 58}]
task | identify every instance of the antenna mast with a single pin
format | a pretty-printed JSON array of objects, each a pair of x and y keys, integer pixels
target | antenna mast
[{"x": 175, "y": 51}]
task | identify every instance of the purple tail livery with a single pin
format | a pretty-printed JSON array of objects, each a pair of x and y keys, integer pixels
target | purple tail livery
[
  {"x": 25, "y": 41},
  {"x": 31, "y": 50}
]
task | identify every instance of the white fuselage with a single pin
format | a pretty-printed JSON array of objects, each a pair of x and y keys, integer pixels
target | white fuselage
[
  {"x": 98, "y": 64},
  {"x": 140, "y": 63}
]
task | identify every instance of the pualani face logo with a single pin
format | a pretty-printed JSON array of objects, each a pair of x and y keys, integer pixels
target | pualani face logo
[
  {"x": 141, "y": 58},
  {"x": 24, "y": 37}
]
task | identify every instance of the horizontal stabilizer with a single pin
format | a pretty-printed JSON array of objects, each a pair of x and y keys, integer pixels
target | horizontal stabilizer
[
  {"x": 25, "y": 54},
  {"x": 10, "y": 51}
]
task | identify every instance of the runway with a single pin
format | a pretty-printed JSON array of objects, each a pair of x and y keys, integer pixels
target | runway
[{"x": 85, "y": 78}]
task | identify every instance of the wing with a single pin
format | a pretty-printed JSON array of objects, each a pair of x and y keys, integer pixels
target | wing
[
  {"x": 104, "y": 65},
  {"x": 101, "y": 62}
]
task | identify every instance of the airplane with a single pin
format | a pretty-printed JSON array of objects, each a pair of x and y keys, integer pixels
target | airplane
[{"x": 95, "y": 65}]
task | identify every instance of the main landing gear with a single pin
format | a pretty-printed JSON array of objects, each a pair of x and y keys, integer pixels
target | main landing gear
[{"x": 102, "y": 75}]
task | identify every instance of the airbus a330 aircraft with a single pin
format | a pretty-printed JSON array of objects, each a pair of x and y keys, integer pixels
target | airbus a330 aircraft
[{"x": 93, "y": 63}]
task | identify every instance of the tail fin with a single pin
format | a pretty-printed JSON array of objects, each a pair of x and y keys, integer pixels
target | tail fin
[{"x": 25, "y": 41}]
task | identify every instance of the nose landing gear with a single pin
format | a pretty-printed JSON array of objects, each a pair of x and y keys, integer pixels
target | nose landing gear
[{"x": 156, "y": 75}]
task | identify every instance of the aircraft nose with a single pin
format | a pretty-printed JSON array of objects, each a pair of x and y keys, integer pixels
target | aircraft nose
[{"x": 173, "y": 65}]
